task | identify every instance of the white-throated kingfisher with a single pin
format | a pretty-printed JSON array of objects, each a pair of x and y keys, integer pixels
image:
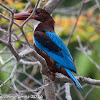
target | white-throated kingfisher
[{"x": 49, "y": 45}]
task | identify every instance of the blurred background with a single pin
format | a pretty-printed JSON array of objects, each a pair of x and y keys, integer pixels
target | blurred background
[{"x": 88, "y": 30}]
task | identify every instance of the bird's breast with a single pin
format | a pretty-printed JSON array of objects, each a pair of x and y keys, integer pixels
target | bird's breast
[{"x": 50, "y": 62}]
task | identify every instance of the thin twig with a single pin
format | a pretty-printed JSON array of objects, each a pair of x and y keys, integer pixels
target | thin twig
[
  {"x": 67, "y": 91},
  {"x": 6, "y": 7},
  {"x": 82, "y": 49},
  {"x": 97, "y": 2},
  {"x": 71, "y": 34},
  {"x": 11, "y": 76},
  {"x": 89, "y": 92},
  {"x": 11, "y": 24},
  {"x": 31, "y": 14},
  {"x": 5, "y": 17},
  {"x": 27, "y": 5},
  {"x": 8, "y": 87}
]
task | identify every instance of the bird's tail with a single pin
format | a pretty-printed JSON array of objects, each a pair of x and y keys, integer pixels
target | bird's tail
[{"x": 78, "y": 85}]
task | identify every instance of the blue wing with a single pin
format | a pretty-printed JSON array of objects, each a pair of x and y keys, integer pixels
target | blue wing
[
  {"x": 55, "y": 52},
  {"x": 58, "y": 41}
]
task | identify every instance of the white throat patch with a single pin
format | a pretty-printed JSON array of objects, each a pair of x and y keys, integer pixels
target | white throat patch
[{"x": 34, "y": 22}]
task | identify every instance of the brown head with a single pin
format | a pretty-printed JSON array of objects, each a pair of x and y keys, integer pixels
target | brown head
[{"x": 40, "y": 15}]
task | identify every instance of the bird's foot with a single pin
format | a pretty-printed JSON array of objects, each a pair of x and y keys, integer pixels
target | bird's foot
[
  {"x": 41, "y": 72},
  {"x": 50, "y": 79},
  {"x": 52, "y": 72},
  {"x": 47, "y": 76},
  {"x": 47, "y": 71}
]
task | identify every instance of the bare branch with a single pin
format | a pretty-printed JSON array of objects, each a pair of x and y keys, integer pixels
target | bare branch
[
  {"x": 71, "y": 34},
  {"x": 29, "y": 62},
  {"x": 11, "y": 23},
  {"x": 6, "y": 7},
  {"x": 8, "y": 19},
  {"x": 8, "y": 86},
  {"x": 31, "y": 14},
  {"x": 81, "y": 79},
  {"x": 83, "y": 50},
  {"x": 79, "y": 94},
  {"x": 89, "y": 92},
  {"x": 11, "y": 76},
  {"x": 27, "y": 5},
  {"x": 52, "y": 4},
  {"x": 98, "y": 4},
  {"x": 14, "y": 52},
  {"x": 21, "y": 28},
  {"x": 67, "y": 91},
  {"x": 3, "y": 43},
  {"x": 49, "y": 90}
]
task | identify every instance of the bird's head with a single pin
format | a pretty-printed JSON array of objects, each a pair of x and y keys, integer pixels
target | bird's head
[{"x": 40, "y": 15}]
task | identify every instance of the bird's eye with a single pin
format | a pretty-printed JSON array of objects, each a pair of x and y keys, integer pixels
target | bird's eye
[{"x": 37, "y": 12}]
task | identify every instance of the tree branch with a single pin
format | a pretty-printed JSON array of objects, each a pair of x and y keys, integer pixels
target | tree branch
[
  {"x": 71, "y": 34},
  {"x": 81, "y": 79},
  {"x": 51, "y": 5}
]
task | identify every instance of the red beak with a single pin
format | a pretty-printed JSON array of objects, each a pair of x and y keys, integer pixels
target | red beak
[{"x": 22, "y": 16}]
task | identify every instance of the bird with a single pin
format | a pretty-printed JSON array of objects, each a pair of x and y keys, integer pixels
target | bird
[{"x": 49, "y": 45}]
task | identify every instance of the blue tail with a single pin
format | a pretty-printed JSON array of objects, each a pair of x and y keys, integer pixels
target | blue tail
[{"x": 78, "y": 85}]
